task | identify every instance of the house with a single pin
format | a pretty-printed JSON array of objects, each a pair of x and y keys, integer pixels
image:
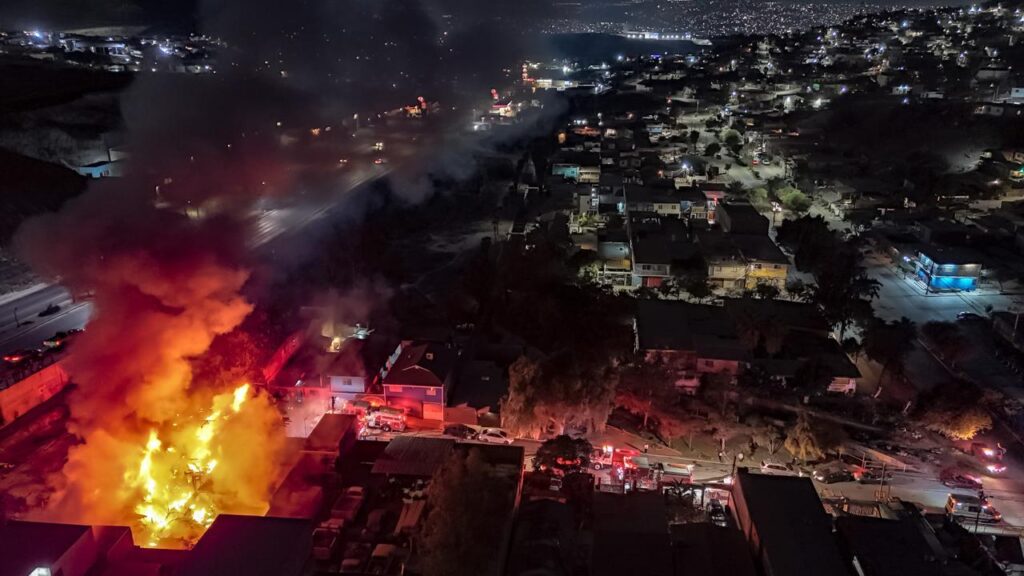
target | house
[
  {"x": 355, "y": 369},
  {"x": 691, "y": 339},
  {"x": 785, "y": 525},
  {"x": 417, "y": 377},
  {"x": 726, "y": 267},
  {"x": 481, "y": 385},
  {"x": 661, "y": 202},
  {"x": 741, "y": 218},
  {"x": 765, "y": 262},
  {"x": 948, "y": 268}
]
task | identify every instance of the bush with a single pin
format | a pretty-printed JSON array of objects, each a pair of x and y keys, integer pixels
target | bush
[
  {"x": 794, "y": 199},
  {"x": 712, "y": 149}
]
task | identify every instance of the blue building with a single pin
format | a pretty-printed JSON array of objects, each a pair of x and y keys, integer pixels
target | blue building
[{"x": 948, "y": 269}]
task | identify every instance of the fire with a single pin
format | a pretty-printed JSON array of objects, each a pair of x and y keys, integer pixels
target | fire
[{"x": 174, "y": 475}]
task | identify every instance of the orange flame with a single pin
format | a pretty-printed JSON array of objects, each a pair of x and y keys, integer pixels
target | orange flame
[{"x": 175, "y": 473}]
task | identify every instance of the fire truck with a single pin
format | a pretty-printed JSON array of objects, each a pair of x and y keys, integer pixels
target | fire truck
[{"x": 386, "y": 418}]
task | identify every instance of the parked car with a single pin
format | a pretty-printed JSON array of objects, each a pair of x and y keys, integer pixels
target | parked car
[
  {"x": 833, "y": 476},
  {"x": 956, "y": 478},
  {"x": 968, "y": 316},
  {"x": 990, "y": 458},
  {"x": 776, "y": 469},
  {"x": 460, "y": 431},
  {"x": 495, "y": 436}
]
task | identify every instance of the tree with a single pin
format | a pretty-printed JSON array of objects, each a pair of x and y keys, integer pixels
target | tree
[
  {"x": 766, "y": 291},
  {"x": 563, "y": 455},
  {"x": 732, "y": 139},
  {"x": 796, "y": 289},
  {"x": 794, "y": 200},
  {"x": 561, "y": 391},
  {"x": 960, "y": 425},
  {"x": 758, "y": 197},
  {"x": 949, "y": 341},
  {"x": 888, "y": 343},
  {"x": 466, "y": 501},
  {"x": 716, "y": 387},
  {"x": 697, "y": 287},
  {"x": 844, "y": 290},
  {"x": 647, "y": 382},
  {"x": 802, "y": 442},
  {"x": 955, "y": 410},
  {"x": 712, "y": 149},
  {"x": 694, "y": 136}
]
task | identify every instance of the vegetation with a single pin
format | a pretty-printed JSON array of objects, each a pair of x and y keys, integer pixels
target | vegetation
[
  {"x": 645, "y": 383},
  {"x": 948, "y": 340},
  {"x": 563, "y": 455},
  {"x": 712, "y": 149},
  {"x": 556, "y": 394},
  {"x": 888, "y": 344},
  {"x": 467, "y": 503},
  {"x": 802, "y": 441},
  {"x": 955, "y": 410}
]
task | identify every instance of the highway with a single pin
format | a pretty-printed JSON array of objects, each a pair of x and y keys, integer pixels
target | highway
[{"x": 22, "y": 326}]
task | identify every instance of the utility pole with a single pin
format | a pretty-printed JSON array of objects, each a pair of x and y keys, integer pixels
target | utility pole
[
  {"x": 17, "y": 323},
  {"x": 981, "y": 502}
]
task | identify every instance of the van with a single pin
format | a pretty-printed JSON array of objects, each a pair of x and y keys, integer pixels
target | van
[{"x": 969, "y": 508}]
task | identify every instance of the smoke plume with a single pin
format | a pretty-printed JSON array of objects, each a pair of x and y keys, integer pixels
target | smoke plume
[{"x": 162, "y": 252}]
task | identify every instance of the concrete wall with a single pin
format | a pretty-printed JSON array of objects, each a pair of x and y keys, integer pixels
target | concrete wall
[{"x": 26, "y": 394}]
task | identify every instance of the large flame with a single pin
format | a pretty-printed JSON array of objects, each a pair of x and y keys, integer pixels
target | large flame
[{"x": 174, "y": 476}]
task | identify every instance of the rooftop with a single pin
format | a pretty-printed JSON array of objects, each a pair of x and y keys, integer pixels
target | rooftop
[
  {"x": 30, "y": 545},
  {"x": 422, "y": 364},
  {"x": 887, "y": 547},
  {"x": 703, "y": 549},
  {"x": 251, "y": 545},
  {"x": 414, "y": 456},
  {"x": 795, "y": 532},
  {"x": 672, "y": 325}
]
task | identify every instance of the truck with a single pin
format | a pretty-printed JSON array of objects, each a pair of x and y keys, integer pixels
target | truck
[
  {"x": 347, "y": 506},
  {"x": 386, "y": 419}
]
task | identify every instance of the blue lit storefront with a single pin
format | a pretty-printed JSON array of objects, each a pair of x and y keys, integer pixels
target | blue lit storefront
[{"x": 951, "y": 273}]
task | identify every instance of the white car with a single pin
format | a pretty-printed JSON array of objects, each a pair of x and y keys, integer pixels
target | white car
[
  {"x": 775, "y": 469},
  {"x": 495, "y": 436}
]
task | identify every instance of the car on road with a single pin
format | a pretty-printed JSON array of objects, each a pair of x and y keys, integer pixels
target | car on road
[
  {"x": 833, "y": 476},
  {"x": 495, "y": 436},
  {"x": 990, "y": 458},
  {"x": 60, "y": 338},
  {"x": 968, "y": 316},
  {"x": 957, "y": 478},
  {"x": 776, "y": 469},
  {"x": 6, "y": 466},
  {"x": 460, "y": 431},
  {"x": 969, "y": 508},
  {"x": 868, "y": 476},
  {"x": 19, "y": 356}
]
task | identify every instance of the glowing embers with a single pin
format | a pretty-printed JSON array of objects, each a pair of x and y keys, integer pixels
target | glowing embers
[{"x": 175, "y": 475}]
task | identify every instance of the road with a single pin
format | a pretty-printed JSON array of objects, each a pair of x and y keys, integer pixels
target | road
[{"x": 22, "y": 326}]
